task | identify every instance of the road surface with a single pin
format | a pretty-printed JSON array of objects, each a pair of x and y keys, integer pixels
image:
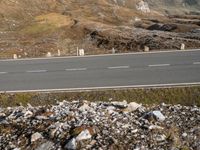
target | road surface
[{"x": 96, "y": 72}]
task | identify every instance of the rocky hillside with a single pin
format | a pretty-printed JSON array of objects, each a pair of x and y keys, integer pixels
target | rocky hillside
[
  {"x": 175, "y": 6},
  {"x": 163, "y": 6},
  {"x": 32, "y": 28},
  {"x": 100, "y": 125}
]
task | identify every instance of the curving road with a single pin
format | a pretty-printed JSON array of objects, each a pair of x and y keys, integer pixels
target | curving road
[{"x": 96, "y": 72}]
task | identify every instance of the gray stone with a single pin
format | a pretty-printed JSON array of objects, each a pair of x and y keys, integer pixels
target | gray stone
[
  {"x": 17, "y": 149},
  {"x": 84, "y": 107},
  {"x": 132, "y": 107},
  {"x": 46, "y": 146},
  {"x": 160, "y": 138},
  {"x": 41, "y": 117},
  {"x": 184, "y": 134},
  {"x": 120, "y": 104},
  {"x": 158, "y": 115},
  {"x": 28, "y": 114},
  {"x": 154, "y": 127},
  {"x": 71, "y": 145},
  {"x": 2, "y": 114},
  {"x": 36, "y": 136},
  {"x": 84, "y": 135},
  {"x": 111, "y": 109}
]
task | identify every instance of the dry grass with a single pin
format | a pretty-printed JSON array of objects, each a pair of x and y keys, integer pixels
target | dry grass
[
  {"x": 38, "y": 29},
  {"x": 181, "y": 95},
  {"x": 54, "y": 19}
]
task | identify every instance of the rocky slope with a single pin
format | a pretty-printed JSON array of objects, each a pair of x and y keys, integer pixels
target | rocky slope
[
  {"x": 100, "y": 125},
  {"x": 32, "y": 28}
]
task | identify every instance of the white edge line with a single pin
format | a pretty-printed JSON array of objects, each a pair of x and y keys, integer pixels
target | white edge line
[
  {"x": 159, "y": 65},
  {"x": 196, "y": 63},
  {"x": 76, "y": 69},
  {"x": 119, "y": 67},
  {"x": 118, "y": 54},
  {"x": 36, "y": 71},
  {"x": 106, "y": 87}
]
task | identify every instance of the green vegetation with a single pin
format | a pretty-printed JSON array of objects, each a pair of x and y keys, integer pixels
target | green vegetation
[{"x": 179, "y": 95}]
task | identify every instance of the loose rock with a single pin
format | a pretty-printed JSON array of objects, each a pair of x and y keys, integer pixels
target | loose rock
[
  {"x": 71, "y": 145},
  {"x": 36, "y": 136},
  {"x": 99, "y": 125},
  {"x": 84, "y": 135}
]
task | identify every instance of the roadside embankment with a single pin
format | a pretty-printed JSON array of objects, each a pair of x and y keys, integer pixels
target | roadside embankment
[
  {"x": 100, "y": 125},
  {"x": 176, "y": 95}
]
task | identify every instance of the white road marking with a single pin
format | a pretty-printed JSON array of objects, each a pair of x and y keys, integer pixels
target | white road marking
[
  {"x": 159, "y": 65},
  {"x": 108, "y": 87},
  {"x": 3, "y": 72},
  {"x": 76, "y": 69},
  {"x": 119, "y": 67},
  {"x": 36, "y": 71},
  {"x": 196, "y": 63}
]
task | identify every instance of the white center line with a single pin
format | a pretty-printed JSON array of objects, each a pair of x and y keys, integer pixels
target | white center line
[
  {"x": 76, "y": 69},
  {"x": 119, "y": 67},
  {"x": 36, "y": 71},
  {"x": 3, "y": 72},
  {"x": 159, "y": 65},
  {"x": 196, "y": 63}
]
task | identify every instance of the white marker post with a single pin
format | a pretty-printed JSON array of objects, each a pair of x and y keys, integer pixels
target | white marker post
[
  {"x": 113, "y": 50},
  {"x": 182, "y": 46},
  {"x": 48, "y": 54},
  {"x": 59, "y": 53},
  {"x": 77, "y": 52},
  {"x": 146, "y": 49},
  {"x": 81, "y": 52},
  {"x": 15, "y": 56}
]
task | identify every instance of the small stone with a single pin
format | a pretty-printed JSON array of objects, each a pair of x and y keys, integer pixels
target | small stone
[
  {"x": 84, "y": 107},
  {"x": 120, "y": 104},
  {"x": 2, "y": 115},
  {"x": 160, "y": 138},
  {"x": 184, "y": 134},
  {"x": 132, "y": 107},
  {"x": 52, "y": 133},
  {"x": 84, "y": 135},
  {"x": 29, "y": 105},
  {"x": 36, "y": 136},
  {"x": 111, "y": 109},
  {"x": 93, "y": 142},
  {"x": 45, "y": 146},
  {"x": 17, "y": 149},
  {"x": 153, "y": 127},
  {"x": 125, "y": 126},
  {"x": 28, "y": 114},
  {"x": 5, "y": 122},
  {"x": 158, "y": 115},
  {"x": 71, "y": 145},
  {"x": 134, "y": 131},
  {"x": 41, "y": 117}
]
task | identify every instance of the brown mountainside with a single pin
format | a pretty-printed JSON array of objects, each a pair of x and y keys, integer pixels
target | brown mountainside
[{"x": 32, "y": 28}]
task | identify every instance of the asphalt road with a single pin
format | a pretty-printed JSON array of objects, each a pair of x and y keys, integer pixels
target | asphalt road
[{"x": 125, "y": 70}]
